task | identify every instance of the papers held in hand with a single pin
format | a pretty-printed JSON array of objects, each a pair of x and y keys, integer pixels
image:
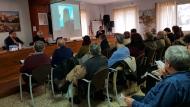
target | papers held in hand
[{"x": 160, "y": 64}]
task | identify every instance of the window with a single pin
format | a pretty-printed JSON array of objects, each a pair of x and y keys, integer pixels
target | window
[
  {"x": 165, "y": 14},
  {"x": 125, "y": 19},
  {"x": 183, "y": 16},
  {"x": 84, "y": 24}
]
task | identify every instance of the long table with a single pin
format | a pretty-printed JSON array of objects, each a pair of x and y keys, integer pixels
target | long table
[{"x": 9, "y": 64}]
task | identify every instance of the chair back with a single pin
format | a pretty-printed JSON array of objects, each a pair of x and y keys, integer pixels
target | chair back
[
  {"x": 98, "y": 80},
  {"x": 126, "y": 68},
  {"x": 40, "y": 74}
]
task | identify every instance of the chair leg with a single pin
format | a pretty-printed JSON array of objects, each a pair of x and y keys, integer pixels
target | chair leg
[
  {"x": 30, "y": 86},
  {"x": 52, "y": 87},
  {"x": 89, "y": 104},
  {"x": 115, "y": 86},
  {"x": 20, "y": 83},
  {"x": 71, "y": 94},
  {"x": 107, "y": 90}
]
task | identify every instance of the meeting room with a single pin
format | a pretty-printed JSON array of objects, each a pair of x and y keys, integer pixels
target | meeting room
[{"x": 95, "y": 53}]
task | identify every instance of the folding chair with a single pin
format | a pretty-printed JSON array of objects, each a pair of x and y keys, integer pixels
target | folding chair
[
  {"x": 99, "y": 81},
  {"x": 39, "y": 74}
]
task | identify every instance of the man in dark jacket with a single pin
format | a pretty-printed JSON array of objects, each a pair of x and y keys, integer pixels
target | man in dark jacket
[
  {"x": 61, "y": 53},
  {"x": 12, "y": 39}
]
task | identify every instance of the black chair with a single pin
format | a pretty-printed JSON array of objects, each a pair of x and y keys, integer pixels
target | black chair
[{"x": 98, "y": 82}]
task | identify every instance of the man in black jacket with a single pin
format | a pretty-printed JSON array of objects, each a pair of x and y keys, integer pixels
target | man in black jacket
[{"x": 12, "y": 39}]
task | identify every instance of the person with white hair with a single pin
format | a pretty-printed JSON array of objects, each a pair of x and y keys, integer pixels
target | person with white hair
[{"x": 174, "y": 89}]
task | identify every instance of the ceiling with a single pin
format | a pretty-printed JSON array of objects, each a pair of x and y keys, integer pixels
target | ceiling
[
  {"x": 44, "y": 2},
  {"x": 102, "y": 1}
]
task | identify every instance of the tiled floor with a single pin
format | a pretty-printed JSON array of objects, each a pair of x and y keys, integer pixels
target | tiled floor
[{"x": 43, "y": 99}]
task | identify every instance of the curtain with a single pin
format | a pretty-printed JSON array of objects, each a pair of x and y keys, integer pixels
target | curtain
[
  {"x": 165, "y": 14},
  {"x": 125, "y": 19},
  {"x": 84, "y": 23}
]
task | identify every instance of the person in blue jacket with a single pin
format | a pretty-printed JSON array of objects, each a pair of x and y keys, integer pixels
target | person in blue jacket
[{"x": 174, "y": 89}]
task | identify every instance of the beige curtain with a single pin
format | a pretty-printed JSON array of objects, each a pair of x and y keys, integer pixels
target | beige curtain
[
  {"x": 84, "y": 23},
  {"x": 165, "y": 14},
  {"x": 125, "y": 19}
]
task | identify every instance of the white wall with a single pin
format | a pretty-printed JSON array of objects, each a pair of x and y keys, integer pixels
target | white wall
[
  {"x": 24, "y": 15},
  {"x": 141, "y": 4},
  {"x": 93, "y": 11}
]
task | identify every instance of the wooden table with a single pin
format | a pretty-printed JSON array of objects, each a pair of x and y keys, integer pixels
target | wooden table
[{"x": 9, "y": 65}]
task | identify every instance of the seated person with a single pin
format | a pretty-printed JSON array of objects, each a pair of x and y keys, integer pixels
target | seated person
[
  {"x": 84, "y": 48},
  {"x": 87, "y": 70},
  {"x": 104, "y": 44},
  {"x": 12, "y": 39},
  {"x": 61, "y": 53},
  {"x": 122, "y": 51},
  {"x": 137, "y": 46},
  {"x": 127, "y": 39},
  {"x": 160, "y": 42},
  {"x": 174, "y": 89},
  {"x": 133, "y": 31},
  {"x": 186, "y": 39},
  {"x": 100, "y": 32},
  {"x": 35, "y": 60},
  {"x": 150, "y": 47},
  {"x": 62, "y": 61},
  {"x": 39, "y": 37}
]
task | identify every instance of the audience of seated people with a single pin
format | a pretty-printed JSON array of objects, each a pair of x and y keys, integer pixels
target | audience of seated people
[
  {"x": 174, "y": 89},
  {"x": 127, "y": 44},
  {"x": 35, "y": 60},
  {"x": 105, "y": 48},
  {"x": 122, "y": 51},
  {"x": 12, "y": 39},
  {"x": 86, "y": 70}
]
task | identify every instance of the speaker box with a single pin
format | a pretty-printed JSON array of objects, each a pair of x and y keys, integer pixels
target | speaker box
[
  {"x": 111, "y": 23},
  {"x": 106, "y": 19}
]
